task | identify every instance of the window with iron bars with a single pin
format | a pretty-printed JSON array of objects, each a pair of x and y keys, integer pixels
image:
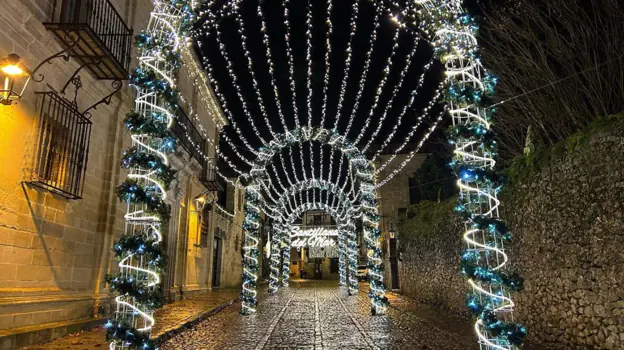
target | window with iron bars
[
  {"x": 61, "y": 146},
  {"x": 205, "y": 226}
]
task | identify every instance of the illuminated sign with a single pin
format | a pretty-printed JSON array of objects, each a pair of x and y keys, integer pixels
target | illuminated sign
[{"x": 316, "y": 237}]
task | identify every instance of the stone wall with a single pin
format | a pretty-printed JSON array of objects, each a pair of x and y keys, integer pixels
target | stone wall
[
  {"x": 55, "y": 252},
  {"x": 567, "y": 222}
]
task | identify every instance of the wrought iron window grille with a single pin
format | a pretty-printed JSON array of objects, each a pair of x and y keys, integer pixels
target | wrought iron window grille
[{"x": 61, "y": 146}]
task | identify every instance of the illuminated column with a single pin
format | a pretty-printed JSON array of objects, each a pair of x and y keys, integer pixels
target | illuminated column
[
  {"x": 286, "y": 240},
  {"x": 372, "y": 235},
  {"x": 352, "y": 256},
  {"x": 453, "y": 33},
  {"x": 251, "y": 227},
  {"x": 142, "y": 260},
  {"x": 342, "y": 255},
  {"x": 275, "y": 260}
]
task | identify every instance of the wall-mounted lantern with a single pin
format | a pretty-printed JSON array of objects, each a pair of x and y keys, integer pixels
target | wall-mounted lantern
[
  {"x": 15, "y": 78},
  {"x": 205, "y": 198},
  {"x": 392, "y": 234},
  {"x": 200, "y": 202}
]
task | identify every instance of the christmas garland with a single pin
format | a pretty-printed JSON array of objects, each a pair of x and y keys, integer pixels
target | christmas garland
[
  {"x": 134, "y": 157},
  {"x": 141, "y": 256},
  {"x": 131, "y": 191}
]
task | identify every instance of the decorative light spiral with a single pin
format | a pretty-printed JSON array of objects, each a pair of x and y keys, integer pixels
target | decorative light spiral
[
  {"x": 286, "y": 241},
  {"x": 342, "y": 257},
  {"x": 251, "y": 231},
  {"x": 275, "y": 260},
  {"x": 139, "y": 250},
  {"x": 453, "y": 34}
]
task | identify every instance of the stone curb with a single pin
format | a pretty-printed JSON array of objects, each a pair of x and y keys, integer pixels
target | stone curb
[{"x": 191, "y": 321}]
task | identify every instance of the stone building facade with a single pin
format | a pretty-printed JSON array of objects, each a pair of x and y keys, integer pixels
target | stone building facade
[
  {"x": 54, "y": 251},
  {"x": 394, "y": 200}
]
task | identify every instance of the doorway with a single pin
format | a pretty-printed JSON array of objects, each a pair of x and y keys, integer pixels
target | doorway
[
  {"x": 318, "y": 269},
  {"x": 216, "y": 262},
  {"x": 394, "y": 264}
]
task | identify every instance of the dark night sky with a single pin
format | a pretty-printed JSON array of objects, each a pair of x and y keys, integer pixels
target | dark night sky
[{"x": 273, "y": 10}]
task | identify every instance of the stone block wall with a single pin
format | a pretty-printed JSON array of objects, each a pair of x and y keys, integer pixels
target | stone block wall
[
  {"x": 55, "y": 252},
  {"x": 567, "y": 223}
]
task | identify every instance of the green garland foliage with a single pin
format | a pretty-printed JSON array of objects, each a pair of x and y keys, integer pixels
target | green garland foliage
[
  {"x": 131, "y": 190},
  {"x": 134, "y": 157}
]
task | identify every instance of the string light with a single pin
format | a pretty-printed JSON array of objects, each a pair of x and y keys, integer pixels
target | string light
[
  {"x": 397, "y": 87},
  {"x": 364, "y": 76},
  {"x": 327, "y": 65},
  {"x": 291, "y": 64},
  {"x": 234, "y": 79},
  {"x": 347, "y": 70},
  {"x": 241, "y": 31},
  {"x": 266, "y": 42},
  {"x": 380, "y": 87}
]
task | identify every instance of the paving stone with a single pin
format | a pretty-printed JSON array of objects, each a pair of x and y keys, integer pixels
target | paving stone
[{"x": 320, "y": 315}]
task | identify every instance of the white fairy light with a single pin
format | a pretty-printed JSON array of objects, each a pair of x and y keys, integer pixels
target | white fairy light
[
  {"x": 291, "y": 63},
  {"x": 308, "y": 61},
  {"x": 363, "y": 78},
  {"x": 411, "y": 154},
  {"x": 241, "y": 31},
  {"x": 224, "y": 105},
  {"x": 347, "y": 70},
  {"x": 234, "y": 79},
  {"x": 327, "y": 64},
  {"x": 266, "y": 42},
  {"x": 397, "y": 87},
  {"x": 420, "y": 118},
  {"x": 380, "y": 87}
]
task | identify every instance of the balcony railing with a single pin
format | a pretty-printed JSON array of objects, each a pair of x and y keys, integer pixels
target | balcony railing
[
  {"x": 188, "y": 136},
  {"x": 102, "y": 40},
  {"x": 195, "y": 144},
  {"x": 209, "y": 177}
]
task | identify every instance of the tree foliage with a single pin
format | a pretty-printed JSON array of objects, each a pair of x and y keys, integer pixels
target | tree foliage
[
  {"x": 560, "y": 65},
  {"x": 433, "y": 181}
]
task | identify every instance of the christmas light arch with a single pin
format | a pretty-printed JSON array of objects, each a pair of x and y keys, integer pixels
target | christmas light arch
[
  {"x": 451, "y": 32},
  {"x": 362, "y": 172},
  {"x": 347, "y": 237}
]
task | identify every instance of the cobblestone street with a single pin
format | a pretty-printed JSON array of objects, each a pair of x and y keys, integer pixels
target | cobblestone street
[{"x": 320, "y": 315}]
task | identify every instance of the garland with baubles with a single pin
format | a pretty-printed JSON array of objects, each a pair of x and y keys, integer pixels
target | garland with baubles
[
  {"x": 470, "y": 89},
  {"x": 152, "y": 139}
]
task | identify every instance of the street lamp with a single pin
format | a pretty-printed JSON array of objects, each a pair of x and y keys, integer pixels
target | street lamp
[
  {"x": 15, "y": 74},
  {"x": 392, "y": 234},
  {"x": 200, "y": 202},
  {"x": 206, "y": 197}
]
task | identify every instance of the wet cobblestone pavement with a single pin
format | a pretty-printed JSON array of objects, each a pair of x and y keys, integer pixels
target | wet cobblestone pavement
[
  {"x": 320, "y": 315},
  {"x": 169, "y": 317}
]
